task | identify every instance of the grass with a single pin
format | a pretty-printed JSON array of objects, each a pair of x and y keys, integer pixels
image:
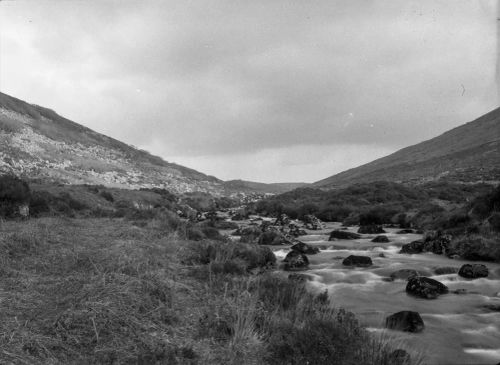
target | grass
[{"x": 106, "y": 291}]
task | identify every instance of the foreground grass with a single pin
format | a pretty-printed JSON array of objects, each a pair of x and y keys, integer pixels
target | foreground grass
[{"x": 105, "y": 291}]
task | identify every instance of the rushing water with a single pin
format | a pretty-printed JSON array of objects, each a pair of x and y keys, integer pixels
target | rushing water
[{"x": 459, "y": 329}]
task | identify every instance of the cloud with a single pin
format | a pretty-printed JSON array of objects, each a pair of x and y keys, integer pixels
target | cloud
[{"x": 189, "y": 80}]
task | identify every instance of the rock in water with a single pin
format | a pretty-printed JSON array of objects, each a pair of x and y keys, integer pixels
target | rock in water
[
  {"x": 473, "y": 271},
  {"x": 305, "y": 248},
  {"x": 353, "y": 260},
  {"x": 371, "y": 229},
  {"x": 406, "y": 321},
  {"x": 404, "y": 274},
  {"x": 405, "y": 231},
  {"x": 381, "y": 239},
  {"x": 424, "y": 287},
  {"x": 412, "y": 247},
  {"x": 296, "y": 261},
  {"x": 343, "y": 235}
]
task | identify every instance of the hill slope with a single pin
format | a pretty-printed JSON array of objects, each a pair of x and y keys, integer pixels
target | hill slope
[
  {"x": 468, "y": 153},
  {"x": 36, "y": 142}
]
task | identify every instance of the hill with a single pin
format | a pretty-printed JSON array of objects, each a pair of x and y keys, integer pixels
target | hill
[
  {"x": 468, "y": 154},
  {"x": 37, "y": 143},
  {"x": 250, "y": 186}
]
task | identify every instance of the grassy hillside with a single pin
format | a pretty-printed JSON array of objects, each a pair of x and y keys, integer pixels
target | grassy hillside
[{"x": 468, "y": 153}]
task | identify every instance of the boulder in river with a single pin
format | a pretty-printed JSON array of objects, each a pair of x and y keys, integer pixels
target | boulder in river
[
  {"x": 406, "y": 321},
  {"x": 424, "y": 287},
  {"x": 305, "y": 248},
  {"x": 381, "y": 239},
  {"x": 404, "y": 274},
  {"x": 473, "y": 271},
  {"x": 412, "y": 247},
  {"x": 343, "y": 235},
  {"x": 446, "y": 270},
  {"x": 362, "y": 261},
  {"x": 405, "y": 231},
  {"x": 295, "y": 260},
  {"x": 371, "y": 229}
]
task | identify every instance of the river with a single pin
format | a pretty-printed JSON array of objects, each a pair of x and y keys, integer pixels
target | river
[{"x": 459, "y": 328}]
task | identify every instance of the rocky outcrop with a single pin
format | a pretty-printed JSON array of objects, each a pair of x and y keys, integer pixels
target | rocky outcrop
[
  {"x": 305, "y": 248},
  {"x": 405, "y": 231},
  {"x": 412, "y": 247},
  {"x": 406, "y": 321},
  {"x": 360, "y": 261},
  {"x": 381, "y": 239},
  {"x": 371, "y": 229},
  {"x": 473, "y": 271},
  {"x": 295, "y": 260},
  {"x": 343, "y": 235},
  {"x": 426, "y": 288}
]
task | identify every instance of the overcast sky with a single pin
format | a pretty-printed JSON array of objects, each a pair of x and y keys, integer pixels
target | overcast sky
[{"x": 267, "y": 90}]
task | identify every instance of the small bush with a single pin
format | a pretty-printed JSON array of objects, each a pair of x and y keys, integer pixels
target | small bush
[{"x": 107, "y": 195}]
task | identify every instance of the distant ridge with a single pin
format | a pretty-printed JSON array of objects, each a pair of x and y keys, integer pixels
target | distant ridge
[
  {"x": 38, "y": 143},
  {"x": 468, "y": 153}
]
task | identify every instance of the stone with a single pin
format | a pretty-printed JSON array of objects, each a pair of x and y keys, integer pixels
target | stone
[
  {"x": 381, "y": 239},
  {"x": 412, "y": 247},
  {"x": 305, "y": 248},
  {"x": 473, "y": 271},
  {"x": 406, "y": 321},
  {"x": 295, "y": 260},
  {"x": 361, "y": 261},
  {"x": 343, "y": 235},
  {"x": 405, "y": 231},
  {"x": 404, "y": 274},
  {"x": 371, "y": 229},
  {"x": 424, "y": 287}
]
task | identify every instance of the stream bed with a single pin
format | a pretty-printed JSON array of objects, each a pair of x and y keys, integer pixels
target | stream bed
[{"x": 459, "y": 328}]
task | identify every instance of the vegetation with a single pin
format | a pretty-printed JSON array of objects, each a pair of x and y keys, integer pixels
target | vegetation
[{"x": 371, "y": 203}]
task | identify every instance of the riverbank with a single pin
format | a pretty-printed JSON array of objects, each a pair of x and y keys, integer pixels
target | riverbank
[{"x": 114, "y": 291}]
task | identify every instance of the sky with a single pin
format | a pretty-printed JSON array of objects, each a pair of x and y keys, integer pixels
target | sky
[{"x": 261, "y": 90}]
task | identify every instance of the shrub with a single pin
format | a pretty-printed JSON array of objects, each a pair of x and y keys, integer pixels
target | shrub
[
  {"x": 107, "y": 195},
  {"x": 476, "y": 247},
  {"x": 13, "y": 193}
]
